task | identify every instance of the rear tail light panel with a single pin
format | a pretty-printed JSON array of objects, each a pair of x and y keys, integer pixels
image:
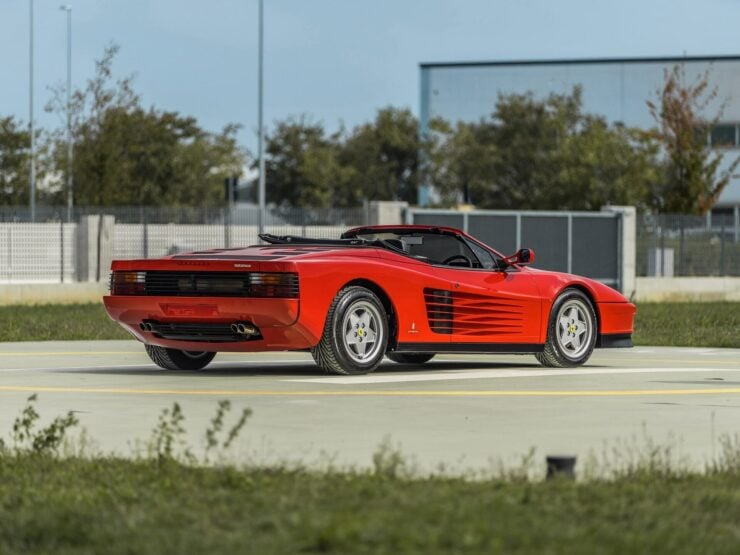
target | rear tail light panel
[
  {"x": 128, "y": 283},
  {"x": 205, "y": 284}
]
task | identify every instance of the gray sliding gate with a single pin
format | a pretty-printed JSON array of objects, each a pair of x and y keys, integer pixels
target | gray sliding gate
[{"x": 584, "y": 243}]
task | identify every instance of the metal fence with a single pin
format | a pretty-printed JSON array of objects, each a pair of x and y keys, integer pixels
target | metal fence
[
  {"x": 584, "y": 243},
  {"x": 679, "y": 245},
  {"x": 238, "y": 215},
  {"x": 42, "y": 252},
  {"x": 50, "y": 250}
]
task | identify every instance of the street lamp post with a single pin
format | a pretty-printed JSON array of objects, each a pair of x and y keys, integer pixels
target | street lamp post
[
  {"x": 70, "y": 183},
  {"x": 261, "y": 135},
  {"x": 32, "y": 174}
]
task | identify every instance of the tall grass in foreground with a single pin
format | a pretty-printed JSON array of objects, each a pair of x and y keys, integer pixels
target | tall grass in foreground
[{"x": 638, "y": 498}]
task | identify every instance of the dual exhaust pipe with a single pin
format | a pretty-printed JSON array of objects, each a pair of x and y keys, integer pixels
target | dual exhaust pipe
[{"x": 240, "y": 328}]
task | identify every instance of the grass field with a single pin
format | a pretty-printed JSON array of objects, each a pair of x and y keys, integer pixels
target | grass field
[
  {"x": 113, "y": 506},
  {"x": 676, "y": 324},
  {"x": 688, "y": 324},
  {"x": 57, "y": 322}
]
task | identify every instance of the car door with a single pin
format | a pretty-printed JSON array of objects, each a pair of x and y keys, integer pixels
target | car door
[{"x": 486, "y": 306}]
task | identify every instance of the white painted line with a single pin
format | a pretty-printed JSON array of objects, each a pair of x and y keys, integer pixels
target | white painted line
[
  {"x": 143, "y": 365},
  {"x": 232, "y": 365},
  {"x": 482, "y": 374}
]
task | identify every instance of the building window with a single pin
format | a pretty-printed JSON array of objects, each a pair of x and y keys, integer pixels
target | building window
[{"x": 723, "y": 136}]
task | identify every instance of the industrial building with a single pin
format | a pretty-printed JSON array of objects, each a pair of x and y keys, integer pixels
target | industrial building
[{"x": 617, "y": 89}]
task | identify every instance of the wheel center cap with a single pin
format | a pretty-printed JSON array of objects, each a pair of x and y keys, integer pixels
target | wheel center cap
[
  {"x": 572, "y": 328},
  {"x": 361, "y": 332}
]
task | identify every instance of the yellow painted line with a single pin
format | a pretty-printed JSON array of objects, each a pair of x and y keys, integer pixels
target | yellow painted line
[{"x": 369, "y": 392}]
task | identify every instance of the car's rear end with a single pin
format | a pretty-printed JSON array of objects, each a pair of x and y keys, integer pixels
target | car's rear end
[{"x": 225, "y": 303}]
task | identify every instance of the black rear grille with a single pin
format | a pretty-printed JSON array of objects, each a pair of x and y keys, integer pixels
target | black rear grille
[
  {"x": 206, "y": 284},
  {"x": 197, "y": 332},
  {"x": 215, "y": 284}
]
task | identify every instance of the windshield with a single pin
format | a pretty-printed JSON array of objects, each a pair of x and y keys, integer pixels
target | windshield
[{"x": 436, "y": 248}]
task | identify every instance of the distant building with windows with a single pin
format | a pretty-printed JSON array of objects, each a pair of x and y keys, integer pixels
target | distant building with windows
[{"x": 617, "y": 89}]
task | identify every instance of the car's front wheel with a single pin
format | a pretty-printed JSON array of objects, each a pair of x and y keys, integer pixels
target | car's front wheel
[
  {"x": 174, "y": 359},
  {"x": 355, "y": 335},
  {"x": 571, "y": 331}
]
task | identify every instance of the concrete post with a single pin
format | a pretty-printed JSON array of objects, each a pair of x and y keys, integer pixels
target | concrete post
[
  {"x": 94, "y": 241},
  {"x": 387, "y": 212},
  {"x": 628, "y": 248}
]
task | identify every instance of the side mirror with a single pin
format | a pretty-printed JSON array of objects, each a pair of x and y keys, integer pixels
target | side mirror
[{"x": 522, "y": 256}]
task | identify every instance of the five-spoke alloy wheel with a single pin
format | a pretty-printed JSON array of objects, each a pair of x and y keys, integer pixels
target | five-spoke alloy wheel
[
  {"x": 355, "y": 334},
  {"x": 571, "y": 332}
]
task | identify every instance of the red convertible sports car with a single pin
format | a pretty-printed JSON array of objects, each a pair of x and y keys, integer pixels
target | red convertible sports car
[{"x": 405, "y": 292}]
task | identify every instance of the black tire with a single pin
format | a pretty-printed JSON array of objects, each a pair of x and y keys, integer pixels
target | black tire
[
  {"x": 410, "y": 358},
  {"x": 173, "y": 359},
  {"x": 558, "y": 352},
  {"x": 334, "y": 354}
]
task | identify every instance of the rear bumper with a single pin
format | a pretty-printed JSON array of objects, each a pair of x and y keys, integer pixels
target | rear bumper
[{"x": 277, "y": 320}]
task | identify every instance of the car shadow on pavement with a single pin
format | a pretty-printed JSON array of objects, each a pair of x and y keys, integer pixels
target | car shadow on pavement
[{"x": 293, "y": 369}]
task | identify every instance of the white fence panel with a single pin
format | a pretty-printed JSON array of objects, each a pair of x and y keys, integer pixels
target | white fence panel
[{"x": 43, "y": 253}]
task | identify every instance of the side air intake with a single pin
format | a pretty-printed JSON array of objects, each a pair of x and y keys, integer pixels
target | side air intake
[{"x": 471, "y": 314}]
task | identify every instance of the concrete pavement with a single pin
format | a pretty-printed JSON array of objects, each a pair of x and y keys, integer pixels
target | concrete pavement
[{"x": 461, "y": 411}]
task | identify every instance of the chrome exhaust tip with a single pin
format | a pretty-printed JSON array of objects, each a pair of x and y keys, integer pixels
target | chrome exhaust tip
[{"x": 241, "y": 328}]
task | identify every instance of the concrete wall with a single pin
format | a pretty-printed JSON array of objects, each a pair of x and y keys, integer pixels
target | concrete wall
[
  {"x": 52, "y": 293},
  {"x": 387, "y": 212},
  {"x": 628, "y": 243},
  {"x": 657, "y": 289},
  {"x": 95, "y": 243}
]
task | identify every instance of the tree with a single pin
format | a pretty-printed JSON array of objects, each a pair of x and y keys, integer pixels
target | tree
[
  {"x": 14, "y": 162},
  {"x": 375, "y": 161},
  {"x": 125, "y": 154},
  {"x": 545, "y": 154},
  {"x": 692, "y": 182},
  {"x": 382, "y": 158},
  {"x": 301, "y": 165},
  {"x": 460, "y": 160}
]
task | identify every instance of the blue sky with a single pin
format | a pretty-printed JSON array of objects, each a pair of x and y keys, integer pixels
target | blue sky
[{"x": 335, "y": 60}]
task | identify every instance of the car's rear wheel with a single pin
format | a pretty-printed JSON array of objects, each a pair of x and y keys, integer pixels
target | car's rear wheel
[
  {"x": 174, "y": 359},
  {"x": 410, "y": 358},
  {"x": 571, "y": 331},
  {"x": 355, "y": 335}
]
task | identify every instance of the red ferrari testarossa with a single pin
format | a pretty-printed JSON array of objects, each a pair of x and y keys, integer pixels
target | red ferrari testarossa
[{"x": 406, "y": 292}]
